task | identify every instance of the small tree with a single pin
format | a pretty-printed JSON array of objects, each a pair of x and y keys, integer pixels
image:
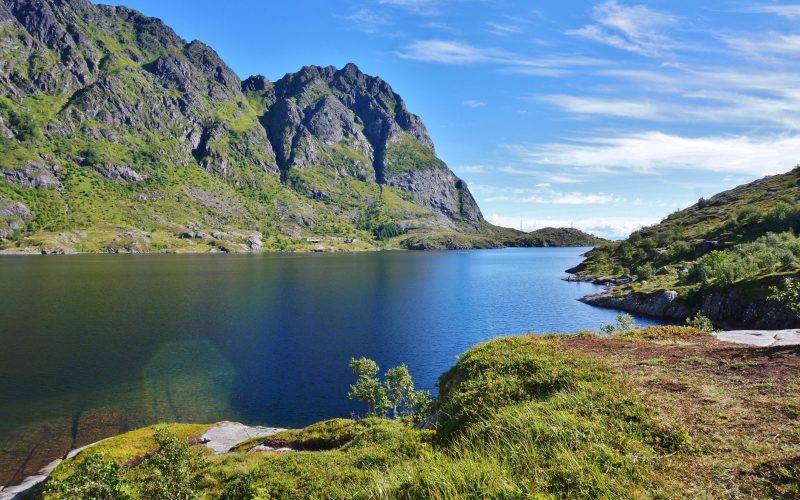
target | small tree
[
  {"x": 625, "y": 323},
  {"x": 399, "y": 387},
  {"x": 96, "y": 477},
  {"x": 170, "y": 472},
  {"x": 789, "y": 295},
  {"x": 701, "y": 323},
  {"x": 394, "y": 397},
  {"x": 368, "y": 387}
]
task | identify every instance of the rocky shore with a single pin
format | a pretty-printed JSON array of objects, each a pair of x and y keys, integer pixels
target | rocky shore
[
  {"x": 220, "y": 438},
  {"x": 728, "y": 309}
]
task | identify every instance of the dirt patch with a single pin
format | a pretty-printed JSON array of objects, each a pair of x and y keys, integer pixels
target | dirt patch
[{"x": 739, "y": 404}]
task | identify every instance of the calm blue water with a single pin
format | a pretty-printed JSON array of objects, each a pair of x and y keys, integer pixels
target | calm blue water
[{"x": 113, "y": 342}]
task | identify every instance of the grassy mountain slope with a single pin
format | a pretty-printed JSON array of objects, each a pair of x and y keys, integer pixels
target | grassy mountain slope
[
  {"x": 721, "y": 255},
  {"x": 676, "y": 416},
  {"x": 557, "y": 237},
  {"x": 117, "y": 135}
]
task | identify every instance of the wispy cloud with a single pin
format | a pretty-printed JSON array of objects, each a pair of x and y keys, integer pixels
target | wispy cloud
[
  {"x": 789, "y": 11},
  {"x": 472, "y": 169},
  {"x": 451, "y": 52},
  {"x": 422, "y": 7},
  {"x": 367, "y": 20},
  {"x": 542, "y": 194},
  {"x": 473, "y": 103},
  {"x": 635, "y": 28},
  {"x": 657, "y": 152},
  {"x": 503, "y": 29},
  {"x": 696, "y": 106}
]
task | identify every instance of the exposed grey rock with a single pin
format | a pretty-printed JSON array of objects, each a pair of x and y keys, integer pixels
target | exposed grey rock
[
  {"x": 221, "y": 438},
  {"x": 119, "y": 173},
  {"x": 661, "y": 304},
  {"x": 727, "y": 308},
  {"x": 254, "y": 242},
  {"x": 13, "y": 217},
  {"x": 34, "y": 175},
  {"x": 761, "y": 338}
]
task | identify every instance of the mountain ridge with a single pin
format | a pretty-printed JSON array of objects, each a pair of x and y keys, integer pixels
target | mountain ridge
[{"x": 118, "y": 135}]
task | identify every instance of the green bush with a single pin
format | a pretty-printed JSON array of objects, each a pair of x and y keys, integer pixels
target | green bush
[
  {"x": 788, "y": 294},
  {"x": 644, "y": 272},
  {"x": 395, "y": 396},
  {"x": 769, "y": 254},
  {"x": 97, "y": 477},
  {"x": 625, "y": 323},
  {"x": 171, "y": 472},
  {"x": 702, "y": 323}
]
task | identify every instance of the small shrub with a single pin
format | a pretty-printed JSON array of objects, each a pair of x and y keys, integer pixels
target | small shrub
[
  {"x": 789, "y": 295},
  {"x": 625, "y": 323},
  {"x": 170, "y": 473},
  {"x": 96, "y": 477},
  {"x": 241, "y": 488},
  {"x": 644, "y": 272},
  {"x": 701, "y": 322}
]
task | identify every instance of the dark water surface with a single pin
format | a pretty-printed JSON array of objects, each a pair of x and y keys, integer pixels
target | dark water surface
[{"x": 97, "y": 344}]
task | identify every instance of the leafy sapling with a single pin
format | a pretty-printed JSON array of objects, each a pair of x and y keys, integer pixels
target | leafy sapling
[
  {"x": 393, "y": 397},
  {"x": 625, "y": 323}
]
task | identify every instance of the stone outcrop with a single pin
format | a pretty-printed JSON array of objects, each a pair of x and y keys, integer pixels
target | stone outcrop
[
  {"x": 659, "y": 305},
  {"x": 727, "y": 309}
]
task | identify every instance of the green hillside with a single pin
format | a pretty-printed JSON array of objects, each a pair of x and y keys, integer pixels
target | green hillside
[
  {"x": 720, "y": 255},
  {"x": 557, "y": 237}
]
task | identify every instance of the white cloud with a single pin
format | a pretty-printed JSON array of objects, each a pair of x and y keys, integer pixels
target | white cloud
[
  {"x": 655, "y": 152},
  {"x": 549, "y": 177},
  {"x": 690, "y": 106},
  {"x": 788, "y": 11},
  {"x": 460, "y": 53},
  {"x": 501, "y": 29},
  {"x": 635, "y": 28},
  {"x": 472, "y": 169},
  {"x": 473, "y": 103},
  {"x": 771, "y": 47},
  {"x": 448, "y": 52},
  {"x": 543, "y": 194},
  {"x": 367, "y": 21},
  {"x": 606, "y": 106},
  {"x": 606, "y": 227}
]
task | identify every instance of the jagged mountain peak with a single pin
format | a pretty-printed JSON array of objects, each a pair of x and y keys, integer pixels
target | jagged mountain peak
[{"x": 107, "y": 92}]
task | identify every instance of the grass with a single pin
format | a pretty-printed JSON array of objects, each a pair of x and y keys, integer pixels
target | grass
[
  {"x": 517, "y": 417},
  {"x": 408, "y": 155},
  {"x": 667, "y": 333}
]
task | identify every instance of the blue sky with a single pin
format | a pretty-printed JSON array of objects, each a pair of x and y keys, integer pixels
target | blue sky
[{"x": 605, "y": 115}]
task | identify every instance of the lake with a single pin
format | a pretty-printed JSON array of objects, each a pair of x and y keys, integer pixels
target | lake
[{"x": 94, "y": 345}]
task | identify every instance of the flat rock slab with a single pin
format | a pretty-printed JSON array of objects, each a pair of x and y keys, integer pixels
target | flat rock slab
[
  {"x": 761, "y": 338},
  {"x": 221, "y": 438}
]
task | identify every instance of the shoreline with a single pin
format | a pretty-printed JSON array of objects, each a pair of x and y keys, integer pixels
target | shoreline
[{"x": 223, "y": 437}]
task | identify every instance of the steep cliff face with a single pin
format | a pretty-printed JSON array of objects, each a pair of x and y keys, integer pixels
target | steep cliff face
[{"x": 109, "y": 121}]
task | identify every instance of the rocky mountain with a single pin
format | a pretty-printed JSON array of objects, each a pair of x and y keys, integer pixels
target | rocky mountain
[
  {"x": 723, "y": 257},
  {"x": 118, "y": 135},
  {"x": 557, "y": 237}
]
